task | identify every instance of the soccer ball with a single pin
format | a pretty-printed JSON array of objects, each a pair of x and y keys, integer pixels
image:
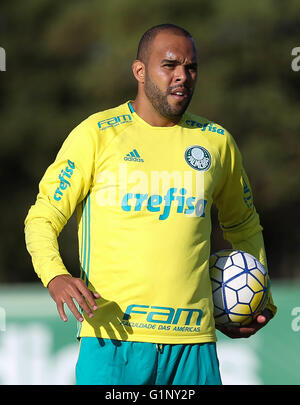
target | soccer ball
[{"x": 240, "y": 287}]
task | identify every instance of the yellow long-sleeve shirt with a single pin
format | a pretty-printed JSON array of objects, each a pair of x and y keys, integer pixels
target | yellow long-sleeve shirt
[{"x": 143, "y": 196}]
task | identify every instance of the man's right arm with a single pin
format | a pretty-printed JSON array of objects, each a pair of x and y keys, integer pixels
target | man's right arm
[
  {"x": 42, "y": 244},
  {"x": 65, "y": 183}
]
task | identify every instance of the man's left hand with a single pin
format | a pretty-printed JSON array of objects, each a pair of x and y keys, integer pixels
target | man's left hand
[{"x": 236, "y": 332}]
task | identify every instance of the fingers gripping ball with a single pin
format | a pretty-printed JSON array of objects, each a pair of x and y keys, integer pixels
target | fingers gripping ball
[{"x": 240, "y": 287}]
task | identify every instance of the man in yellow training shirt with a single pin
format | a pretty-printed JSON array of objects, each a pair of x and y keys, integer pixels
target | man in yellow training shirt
[{"x": 143, "y": 177}]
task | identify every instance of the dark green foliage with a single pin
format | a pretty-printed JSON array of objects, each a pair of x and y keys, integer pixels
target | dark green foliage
[{"x": 67, "y": 60}]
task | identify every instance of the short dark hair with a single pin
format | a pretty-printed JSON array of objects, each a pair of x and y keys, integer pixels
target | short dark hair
[{"x": 150, "y": 34}]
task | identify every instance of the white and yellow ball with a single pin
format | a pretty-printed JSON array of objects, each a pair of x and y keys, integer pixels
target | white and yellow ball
[{"x": 240, "y": 287}]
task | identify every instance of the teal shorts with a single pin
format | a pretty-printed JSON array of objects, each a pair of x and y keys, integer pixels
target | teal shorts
[{"x": 114, "y": 362}]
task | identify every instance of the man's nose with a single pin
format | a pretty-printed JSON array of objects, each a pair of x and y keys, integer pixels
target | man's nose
[{"x": 181, "y": 74}]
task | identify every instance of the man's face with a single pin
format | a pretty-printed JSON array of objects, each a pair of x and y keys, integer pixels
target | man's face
[{"x": 171, "y": 73}]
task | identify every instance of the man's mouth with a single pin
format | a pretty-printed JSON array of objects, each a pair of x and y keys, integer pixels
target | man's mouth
[{"x": 179, "y": 94}]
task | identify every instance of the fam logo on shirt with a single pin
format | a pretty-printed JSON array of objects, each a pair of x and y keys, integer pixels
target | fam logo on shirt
[
  {"x": 198, "y": 157},
  {"x": 114, "y": 121}
]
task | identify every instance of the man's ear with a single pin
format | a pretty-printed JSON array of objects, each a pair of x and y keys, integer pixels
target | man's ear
[{"x": 138, "y": 69}]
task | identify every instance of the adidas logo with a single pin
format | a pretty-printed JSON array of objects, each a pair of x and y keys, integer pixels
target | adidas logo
[{"x": 133, "y": 156}]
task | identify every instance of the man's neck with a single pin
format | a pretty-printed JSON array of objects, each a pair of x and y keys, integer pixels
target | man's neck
[{"x": 148, "y": 113}]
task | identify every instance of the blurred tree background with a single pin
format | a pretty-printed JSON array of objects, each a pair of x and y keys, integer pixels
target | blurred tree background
[{"x": 67, "y": 60}]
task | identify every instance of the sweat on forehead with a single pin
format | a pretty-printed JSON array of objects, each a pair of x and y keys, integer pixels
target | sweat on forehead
[{"x": 146, "y": 41}]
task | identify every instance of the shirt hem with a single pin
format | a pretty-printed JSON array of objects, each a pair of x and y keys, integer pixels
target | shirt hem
[{"x": 159, "y": 339}]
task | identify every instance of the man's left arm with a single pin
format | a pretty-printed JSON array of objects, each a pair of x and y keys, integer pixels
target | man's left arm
[
  {"x": 255, "y": 246},
  {"x": 241, "y": 226}
]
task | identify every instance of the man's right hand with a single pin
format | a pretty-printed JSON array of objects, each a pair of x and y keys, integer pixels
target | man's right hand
[{"x": 64, "y": 289}]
